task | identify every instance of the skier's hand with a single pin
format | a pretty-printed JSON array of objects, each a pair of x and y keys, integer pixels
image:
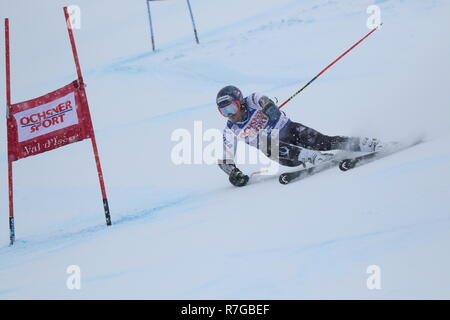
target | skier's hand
[
  {"x": 237, "y": 178},
  {"x": 270, "y": 109}
]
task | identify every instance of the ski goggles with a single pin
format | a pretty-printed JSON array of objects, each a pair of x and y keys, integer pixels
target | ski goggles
[{"x": 230, "y": 109}]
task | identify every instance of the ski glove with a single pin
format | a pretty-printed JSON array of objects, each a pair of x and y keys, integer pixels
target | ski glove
[{"x": 237, "y": 178}]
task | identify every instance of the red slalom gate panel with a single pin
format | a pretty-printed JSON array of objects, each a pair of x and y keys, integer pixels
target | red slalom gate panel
[{"x": 54, "y": 120}]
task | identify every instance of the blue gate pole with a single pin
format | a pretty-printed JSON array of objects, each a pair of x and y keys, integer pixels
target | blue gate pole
[
  {"x": 193, "y": 22},
  {"x": 151, "y": 25}
]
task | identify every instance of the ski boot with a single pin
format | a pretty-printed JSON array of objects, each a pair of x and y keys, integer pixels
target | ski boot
[
  {"x": 314, "y": 157},
  {"x": 370, "y": 145}
]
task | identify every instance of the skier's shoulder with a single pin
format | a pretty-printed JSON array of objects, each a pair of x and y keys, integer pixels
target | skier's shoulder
[
  {"x": 258, "y": 100},
  {"x": 253, "y": 99}
]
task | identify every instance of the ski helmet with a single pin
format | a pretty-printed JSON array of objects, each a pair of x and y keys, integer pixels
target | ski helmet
[{"x": 229, "y": 100}]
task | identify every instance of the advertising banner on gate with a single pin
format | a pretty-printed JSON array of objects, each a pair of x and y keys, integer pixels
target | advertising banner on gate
[{"x": 48, "y": 122}]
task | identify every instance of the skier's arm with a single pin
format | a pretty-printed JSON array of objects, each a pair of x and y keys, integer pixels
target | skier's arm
[
  {"x": 270, "y": 109},
  {"x": 236, "y": 177}
]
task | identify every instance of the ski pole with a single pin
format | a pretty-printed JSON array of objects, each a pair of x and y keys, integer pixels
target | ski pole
[{"x": 329, "y": 66}]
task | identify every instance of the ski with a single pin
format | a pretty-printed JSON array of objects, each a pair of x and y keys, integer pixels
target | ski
[
  {"x": 350, "y": 163},
  {"x": 288, "y": 177}
]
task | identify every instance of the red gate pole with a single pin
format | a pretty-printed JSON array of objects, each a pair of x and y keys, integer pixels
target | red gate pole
[
  {"x": 72, "y": 43},
  {"x": 92, "y": 135},
  {"x": 8, "y": 104}
]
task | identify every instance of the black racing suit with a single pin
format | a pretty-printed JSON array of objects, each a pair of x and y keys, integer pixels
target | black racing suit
[{"x": 298, "y": 135}]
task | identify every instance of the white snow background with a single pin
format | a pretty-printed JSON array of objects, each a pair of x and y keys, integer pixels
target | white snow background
[{"x": 183, "y": 232}]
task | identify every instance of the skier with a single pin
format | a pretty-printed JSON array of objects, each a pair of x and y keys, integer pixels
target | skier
[{"x": 256, "y": 116}]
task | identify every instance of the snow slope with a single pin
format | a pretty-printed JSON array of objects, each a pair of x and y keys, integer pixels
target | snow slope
[{"x": 183, "y": 232}]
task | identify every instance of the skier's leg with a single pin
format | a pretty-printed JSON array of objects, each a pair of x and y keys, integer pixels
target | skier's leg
[
  {"x": 289, "y": 155},
  {"x": 284, "y": 153},
  {"x": 309, "y": 138},
  {"x": 292, "y": 155}
]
